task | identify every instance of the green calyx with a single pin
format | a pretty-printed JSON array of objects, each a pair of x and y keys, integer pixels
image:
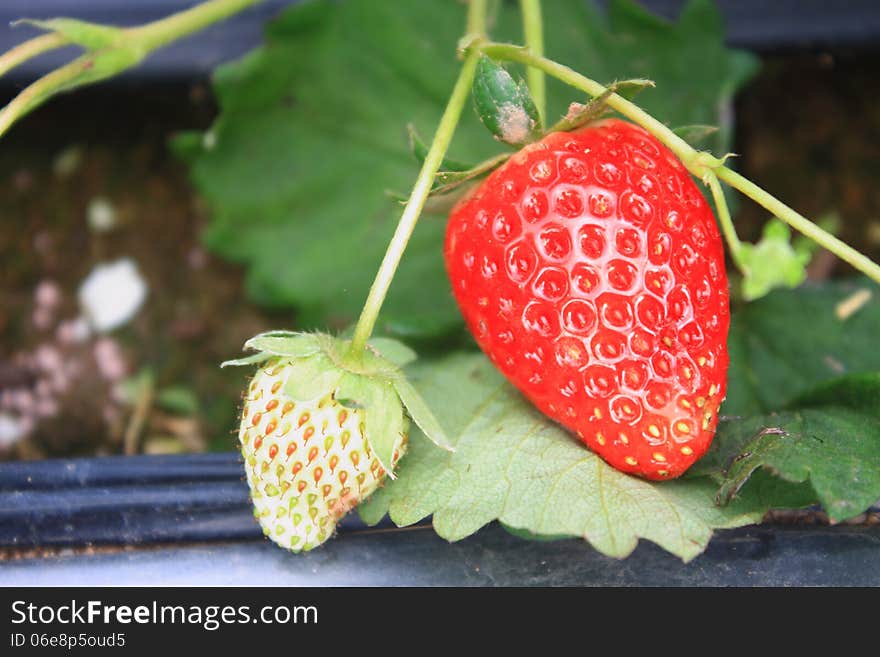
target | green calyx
[
  {"x": 320, "y": 364},
  {"x": 504, "y": 105}
]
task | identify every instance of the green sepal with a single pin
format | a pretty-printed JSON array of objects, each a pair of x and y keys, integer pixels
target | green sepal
[
  {"x": 448, "y": 181},
  {"x": 392, "y": 350},
  {"x": 90, "y": 36},
  {"x": 581, "y": 114},
  {"x": 420, "y": 413},
  {"x": 285, "y": 343},
  {"x": 383, "y": 413},
  {"x": 420, "y": 151},
  {"x": 504, "y": 105},
  {"x": 311, "y": 377},
  {"x": 355, "y": 390},
  {"x": 247, "y": 360},
  {"x": 695, "y": 134}
]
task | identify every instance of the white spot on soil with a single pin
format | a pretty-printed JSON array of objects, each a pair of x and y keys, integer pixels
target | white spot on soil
[{"x": 112, "y": 294}]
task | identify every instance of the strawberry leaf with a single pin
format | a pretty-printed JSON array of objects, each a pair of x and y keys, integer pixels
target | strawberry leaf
[
  {"x": 312, "y": 131},
  {"x": 790, "y": 341},
  {"x": 514, "y": 465},
  {"x": 829, "y": 437}
]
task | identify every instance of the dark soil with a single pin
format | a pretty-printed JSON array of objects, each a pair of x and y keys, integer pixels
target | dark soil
[{"x": 808, "y": 132}]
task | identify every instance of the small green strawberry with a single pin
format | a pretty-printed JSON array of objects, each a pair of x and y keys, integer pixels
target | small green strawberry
[{"x": 320, "y": 430}]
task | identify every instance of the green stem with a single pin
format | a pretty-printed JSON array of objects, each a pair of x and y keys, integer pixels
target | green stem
[
  {"x": 726, "y": 223},
  {"x": 416, "y": 203},
  {"x": 533, "y": 31},
  {"x": 699, "y": 164},
  {"x": 136, "y": 43},
  {"x": 163, "y": 31},
  {"x": 476, "y": 18},
  {"x": 30, "y": 49},
  {"x": 476, "y": 25},
  {"x": 800, "y": 223}
]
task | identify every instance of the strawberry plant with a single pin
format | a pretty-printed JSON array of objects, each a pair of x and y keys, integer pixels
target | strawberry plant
[{"x": 582, "y": 255}]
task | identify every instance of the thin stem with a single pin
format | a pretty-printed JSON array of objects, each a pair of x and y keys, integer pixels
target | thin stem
[
  {"x": 30, "y": 49},
  {"x": 416, "y": 203},
  {"x": 533, "y": 30},
  {"x": 476, "y": 29},
  {"x": 476, "y": 18},
  {"x": 699, "y": 164},
  {"x": 134, "y": 46},
  {"x": 164, "y": 31},
  {"x": 726, "y": 223},
  {"x": 800, "y": 223},
  {"x": 38, "y": 92},
  {"x": 571, "y": 77}
]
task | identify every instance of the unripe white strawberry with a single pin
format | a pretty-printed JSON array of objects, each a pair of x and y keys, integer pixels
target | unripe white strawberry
[
  {"x": 308, "y": 463},
  {"x": 322, "y": 427}
]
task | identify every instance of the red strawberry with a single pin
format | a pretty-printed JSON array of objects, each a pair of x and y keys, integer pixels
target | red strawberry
[{"x": 590, "y": 270}]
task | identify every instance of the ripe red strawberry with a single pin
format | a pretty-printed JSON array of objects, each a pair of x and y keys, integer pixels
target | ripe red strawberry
[{"x": 590, "y": 270}]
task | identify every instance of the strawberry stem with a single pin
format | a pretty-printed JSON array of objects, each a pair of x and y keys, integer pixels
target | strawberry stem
[
  {"x": 30, "y": 49},
  {"x": 533, "y": 31},
  {"x": 476, "y": 25},
  {"x": 95, "y": 65},
  {"x": 698, "y": 163},
  {"x": 800, "y": 223},
  {"x": 726, "y": 223}
]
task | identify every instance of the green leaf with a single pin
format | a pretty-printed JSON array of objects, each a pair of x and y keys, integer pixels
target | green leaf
[
  {"x": 312, "y": 131},
  {"x": 420, "y": 413},
  {"x": 830, "y": 437},
  {"x": 285, "y": 343},
  {"x": 504, "y": 105},
  {"x": 531, "y": 536},
  {"x": 393, "y": 351},
  {"x": 383, "y": 414},
  {"x": 513, "y": 465},
  {"x": 772, "y": 262},
  {"x": 311, "y": 377},
  {"x": 790, "y": 341}
]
